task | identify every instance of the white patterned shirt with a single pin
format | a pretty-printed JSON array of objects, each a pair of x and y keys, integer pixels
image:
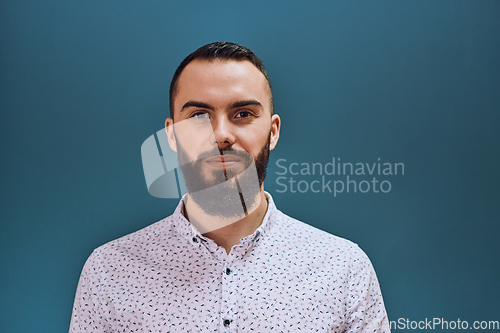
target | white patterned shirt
[{"x": 286, "y": 277}]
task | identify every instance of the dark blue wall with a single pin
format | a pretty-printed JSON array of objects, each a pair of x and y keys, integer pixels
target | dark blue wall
[{"x": 83, "y": 84}]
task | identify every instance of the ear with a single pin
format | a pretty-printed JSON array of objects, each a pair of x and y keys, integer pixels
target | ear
[
  {"x": 275, "y": 131},
  {"x": 169, "y": 128}
]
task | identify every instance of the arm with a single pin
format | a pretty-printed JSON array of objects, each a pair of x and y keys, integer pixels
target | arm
[
  {"x": 365, "y": 306},
  {"x": 87, "y": 315}
]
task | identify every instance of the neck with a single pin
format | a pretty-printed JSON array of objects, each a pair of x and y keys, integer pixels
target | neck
[{"x": 227, "y": 232}]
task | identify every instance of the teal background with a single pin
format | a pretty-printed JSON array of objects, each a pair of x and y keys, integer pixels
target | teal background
[{"x": 83, "y": 84}]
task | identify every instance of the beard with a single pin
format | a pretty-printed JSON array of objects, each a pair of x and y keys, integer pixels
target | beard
[{"x": 225, "y": 192}]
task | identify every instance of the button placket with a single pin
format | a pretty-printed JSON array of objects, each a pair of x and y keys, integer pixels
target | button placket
[{"x": 230, "y": 302}]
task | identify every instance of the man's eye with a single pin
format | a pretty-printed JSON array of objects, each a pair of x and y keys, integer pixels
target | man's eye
[
  {"x": 243, "y": 114},
  {"x": 199, "y": 115}
]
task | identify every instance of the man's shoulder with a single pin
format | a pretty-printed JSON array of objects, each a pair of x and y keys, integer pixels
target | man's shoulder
[
  {"x": 140, "y": 241},
  {"x": 302, "y": 234}
]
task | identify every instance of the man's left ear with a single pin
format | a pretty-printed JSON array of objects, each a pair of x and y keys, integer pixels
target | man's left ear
[{"x": 275, "y": 131}]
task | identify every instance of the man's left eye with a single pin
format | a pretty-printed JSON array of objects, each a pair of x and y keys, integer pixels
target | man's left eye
[{"x": 243, "y": 114}]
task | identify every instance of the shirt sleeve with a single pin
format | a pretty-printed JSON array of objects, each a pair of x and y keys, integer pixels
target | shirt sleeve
[
  {"x": 87, "y": 316},
  {"x": 365, "y": 306}
]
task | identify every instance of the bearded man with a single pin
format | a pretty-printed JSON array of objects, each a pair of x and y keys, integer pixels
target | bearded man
[{"x": 227, "y": 260}]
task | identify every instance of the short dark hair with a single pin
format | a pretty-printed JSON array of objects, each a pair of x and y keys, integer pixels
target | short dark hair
[{"x": 218, "y": 51}]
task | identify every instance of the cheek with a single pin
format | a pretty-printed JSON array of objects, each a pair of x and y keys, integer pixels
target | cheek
[
  {"x": 253, "y": 141},
  {"x": 196, "y": 141}
]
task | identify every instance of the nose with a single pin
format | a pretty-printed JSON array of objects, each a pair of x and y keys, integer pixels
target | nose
[{"x": 223, "y": 132}]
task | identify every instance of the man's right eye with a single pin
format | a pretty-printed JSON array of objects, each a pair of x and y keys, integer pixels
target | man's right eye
[{"x": 199, "y": 115}]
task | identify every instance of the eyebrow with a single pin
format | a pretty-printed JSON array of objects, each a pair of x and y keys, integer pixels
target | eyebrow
[
  {"x": 245, "y": 103},
  {"x": 207, "y": 106},
  {"x": 197, "y": 105}
]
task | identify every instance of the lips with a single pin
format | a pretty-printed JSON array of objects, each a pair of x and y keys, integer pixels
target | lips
[{"x": 223, "y": 161}]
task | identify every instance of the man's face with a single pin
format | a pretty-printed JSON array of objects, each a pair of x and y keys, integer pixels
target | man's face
[{"x": 224, "y": 106}]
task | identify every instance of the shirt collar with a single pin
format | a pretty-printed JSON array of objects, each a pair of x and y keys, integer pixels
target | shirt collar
[{"x": 188, "y": 230}]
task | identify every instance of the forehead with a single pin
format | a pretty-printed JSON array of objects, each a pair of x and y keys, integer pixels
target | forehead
[{"x": 221, "y": 81}]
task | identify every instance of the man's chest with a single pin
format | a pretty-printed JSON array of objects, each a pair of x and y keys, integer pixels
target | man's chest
[{"x": 270, "y": 296}]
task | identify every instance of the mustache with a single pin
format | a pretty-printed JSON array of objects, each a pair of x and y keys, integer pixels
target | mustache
[{"x": 225, "y": 152}]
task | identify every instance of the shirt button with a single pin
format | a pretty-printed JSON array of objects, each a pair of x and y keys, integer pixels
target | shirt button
[
  {"x": 227, "y": 322},
  {"x": 195, "y": 239},
  {"x": 228, "y": 271}
]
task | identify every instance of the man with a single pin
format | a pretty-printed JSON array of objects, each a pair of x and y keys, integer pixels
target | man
[{"x": 227, "y": 260}]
